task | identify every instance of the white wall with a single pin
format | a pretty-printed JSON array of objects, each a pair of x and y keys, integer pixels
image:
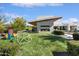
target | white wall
[{"x": 50, "y": 23}]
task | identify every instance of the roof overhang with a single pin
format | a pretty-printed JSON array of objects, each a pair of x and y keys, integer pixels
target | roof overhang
[{"x": 46, "y": 19}]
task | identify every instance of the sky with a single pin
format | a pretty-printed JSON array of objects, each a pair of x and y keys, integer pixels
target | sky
[{"x": 31, "y": 11}]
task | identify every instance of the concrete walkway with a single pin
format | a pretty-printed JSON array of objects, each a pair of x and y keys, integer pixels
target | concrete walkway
[{"x": 66, "y": 36}]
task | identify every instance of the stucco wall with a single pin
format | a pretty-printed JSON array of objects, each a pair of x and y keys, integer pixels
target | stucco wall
[{"x": 50, "y": 23}]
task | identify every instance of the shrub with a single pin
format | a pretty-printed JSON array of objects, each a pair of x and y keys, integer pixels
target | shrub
[
  {"x": 22, "y": 38},
  {"x": 58, "y": 32},
  {"x": 8, "y": 48},
  {"x": 76, "y": 36},
  {"x": 73, "y": 48}
]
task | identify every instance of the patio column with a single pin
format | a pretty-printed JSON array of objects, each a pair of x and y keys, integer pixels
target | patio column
[
  {"x": 68, "y": 27},
  {"x": 51, "y": 28}
]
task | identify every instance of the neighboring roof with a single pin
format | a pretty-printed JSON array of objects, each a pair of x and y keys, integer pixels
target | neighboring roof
[
  {"x": 27, "y": 24},
  {"x": 46, "y": 19}
]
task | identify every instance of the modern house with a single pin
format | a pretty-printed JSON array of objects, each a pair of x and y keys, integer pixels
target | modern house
[
  {"x": 45, "y": 24},
  {"x": 69, "y": 26}
]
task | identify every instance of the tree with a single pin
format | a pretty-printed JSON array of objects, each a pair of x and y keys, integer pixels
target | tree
[
  {"x": 18, "y": 24},
  {"x": 2, "y": 23}
]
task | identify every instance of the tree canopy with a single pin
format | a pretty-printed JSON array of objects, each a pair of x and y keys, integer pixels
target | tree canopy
[{"x": 18, "y": 24}]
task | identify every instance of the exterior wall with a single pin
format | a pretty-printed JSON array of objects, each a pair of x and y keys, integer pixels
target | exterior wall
[
  {"x": 78, "y": 27},
  {"x": 61, "y": 28},
  {"x": 71, "y": 26},
  {"x": 50, "y": 23},
  {"x": 67, "y": 28}
]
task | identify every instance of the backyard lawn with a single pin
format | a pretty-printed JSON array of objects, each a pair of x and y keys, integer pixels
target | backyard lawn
[{"x": 42, "y": 44}]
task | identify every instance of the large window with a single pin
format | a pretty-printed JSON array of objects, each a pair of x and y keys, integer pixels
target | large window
[
  {"x": 45, "y": 29},
  {"x": 45, "y": 26}
]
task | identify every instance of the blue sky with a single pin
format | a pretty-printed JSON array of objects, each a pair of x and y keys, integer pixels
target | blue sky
[{"x": 32, "y": 11}]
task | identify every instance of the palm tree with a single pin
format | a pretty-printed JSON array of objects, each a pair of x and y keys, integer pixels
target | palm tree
[{"x": 2, "y": 23}]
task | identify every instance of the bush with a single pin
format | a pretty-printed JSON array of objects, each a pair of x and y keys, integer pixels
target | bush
[
  {"x": 58, "y": 32},
  {"x": 76, "y": 36},
  {"x": 73, "y": 48},
  {"x": 8, "y": 48},
  {"x": 22, "y": 38}
]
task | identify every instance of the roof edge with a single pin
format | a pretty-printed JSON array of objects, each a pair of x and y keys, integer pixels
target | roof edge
[{"x": 46, "y": 19}]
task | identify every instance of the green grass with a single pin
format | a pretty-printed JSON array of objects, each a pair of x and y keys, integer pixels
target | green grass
[
  {"x": 8, "y": 47},
  {"x": 6, "y": 41},
  {"x": 38, "y": 44},
  {"x": 73, "y": 47},
  {"x": 42, "y": 44}
]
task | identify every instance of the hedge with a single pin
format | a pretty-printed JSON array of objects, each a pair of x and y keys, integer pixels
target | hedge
[
  {"x": 58, "y": 32},
  {"x": 76, "y": 36},
  {"x": 73, "y": 48}
]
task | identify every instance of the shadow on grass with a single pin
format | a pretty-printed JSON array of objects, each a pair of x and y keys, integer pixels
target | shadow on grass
[
  {"x": 60, "y": 53},
  {"x": 52, "y": 38},
  {"x": 56, "y": 38}
]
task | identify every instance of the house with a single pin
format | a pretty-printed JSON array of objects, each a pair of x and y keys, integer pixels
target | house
[
  {"x": 69, "y": 26},
  {"x": 45, "y": 23}
]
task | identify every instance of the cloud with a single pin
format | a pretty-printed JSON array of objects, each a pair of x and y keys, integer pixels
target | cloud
[
  {"x": 14, "y": 15},
  {"x": 70, "y": 20},
  {"x": 11, "y": 15},
  {"x": 64, "y": 22},
  {"x": 55, "y": 4},
  {"x": 73, "y": 20},
  {"x": 31, "y": 5},
  {"x": 28, "y": 4}
]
